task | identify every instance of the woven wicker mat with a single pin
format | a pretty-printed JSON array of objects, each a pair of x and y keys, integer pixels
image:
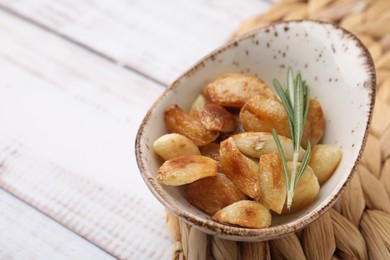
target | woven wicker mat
[{"x": 358, "y": 227}]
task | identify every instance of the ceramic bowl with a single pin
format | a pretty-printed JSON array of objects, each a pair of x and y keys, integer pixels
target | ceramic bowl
[{"x": 341, "y": 75}]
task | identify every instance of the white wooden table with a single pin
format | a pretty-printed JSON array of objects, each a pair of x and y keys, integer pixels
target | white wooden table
[{"x": 76, "y": 78}]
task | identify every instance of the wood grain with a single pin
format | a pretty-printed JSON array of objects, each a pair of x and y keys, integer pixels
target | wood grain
[
  {"x": 126, "y": 225},
  {"x": 157, "y": 38},
  {"x": 28, "y": 234},
  {"x": 69, "y": 119},
  {"x": 72, "y": 107}
]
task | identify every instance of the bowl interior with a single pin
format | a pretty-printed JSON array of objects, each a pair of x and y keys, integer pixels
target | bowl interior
[{"x": 340, "y": 74}]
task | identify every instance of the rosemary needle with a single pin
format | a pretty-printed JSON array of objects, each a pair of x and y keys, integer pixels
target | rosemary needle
[{"x": 295, "y": 98}]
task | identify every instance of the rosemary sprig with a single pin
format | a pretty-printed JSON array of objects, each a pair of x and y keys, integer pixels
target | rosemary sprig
[{"x": 296, "y": 99}]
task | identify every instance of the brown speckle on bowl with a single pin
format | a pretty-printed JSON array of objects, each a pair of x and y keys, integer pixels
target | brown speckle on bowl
[{"x": 366, "y": 84}]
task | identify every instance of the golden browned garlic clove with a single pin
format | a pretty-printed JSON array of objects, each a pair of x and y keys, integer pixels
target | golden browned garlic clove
[
  {"x": 178, "y": 121},
  {"x": 213, "y": 193},
  {"x": 272, "y": 181},
  {"x": 262, "y": 114},
  {"x": 169, "y": 146},
  {"x": 198, "y": 105},
  {"x": 216, "y": 118},
  {"x": 234, "y": 89},
  {"x": 245, "y": 213},
  {"x": 324, "y": 160},
  {"x": 211, "y": 150},
  {"x": 186, "y": 169},
  {"x": 306, "y": 191},
  {"x": 255, "y": 144},
  {"x": 241, "y": 170},
  {"x": 315, "y": 124}
]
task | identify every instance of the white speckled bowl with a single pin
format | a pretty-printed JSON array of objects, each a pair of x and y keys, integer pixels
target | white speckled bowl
[{"x": 341, "y": 75}]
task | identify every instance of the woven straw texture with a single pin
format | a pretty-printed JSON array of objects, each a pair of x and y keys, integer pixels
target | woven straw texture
[{"x": 358, "y": 227}]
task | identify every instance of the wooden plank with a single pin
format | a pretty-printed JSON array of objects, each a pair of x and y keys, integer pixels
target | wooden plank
[
  {"x": 158, "y": 38},
  {"x": 126, "y": 225},
  {"x": 69, "y": 119},
  {"x": 72, "y": 106},
  {"x": 28, "y": 234}
]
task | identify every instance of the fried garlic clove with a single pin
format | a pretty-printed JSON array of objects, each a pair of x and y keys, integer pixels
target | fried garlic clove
[
  {"x": 178, "y": 121},
  {"x": 306, "y": 191},
  {"x": 211, "y": 150},
  {"x": 213, "y": 193},
  {"x": 233, "y": 90},
  {"x": 198, "y": 105},
  {"x": 315, "y": 126},
  {"x": 255, "y": 144},
  {"x": 186, "y": 169},
  {"x": 216, "y": 118},
  {"x": 241, "y": 170},
  {"x": 245, "y": 213},
  {"x": 262, "y": 114},
  {"x": 324, "y": 160},
  {"x": 272, "y": 181},
  {"x": 169, "y": 146}
]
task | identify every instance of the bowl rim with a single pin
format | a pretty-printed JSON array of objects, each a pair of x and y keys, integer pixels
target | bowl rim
[{"x": 242, "y": 233}]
